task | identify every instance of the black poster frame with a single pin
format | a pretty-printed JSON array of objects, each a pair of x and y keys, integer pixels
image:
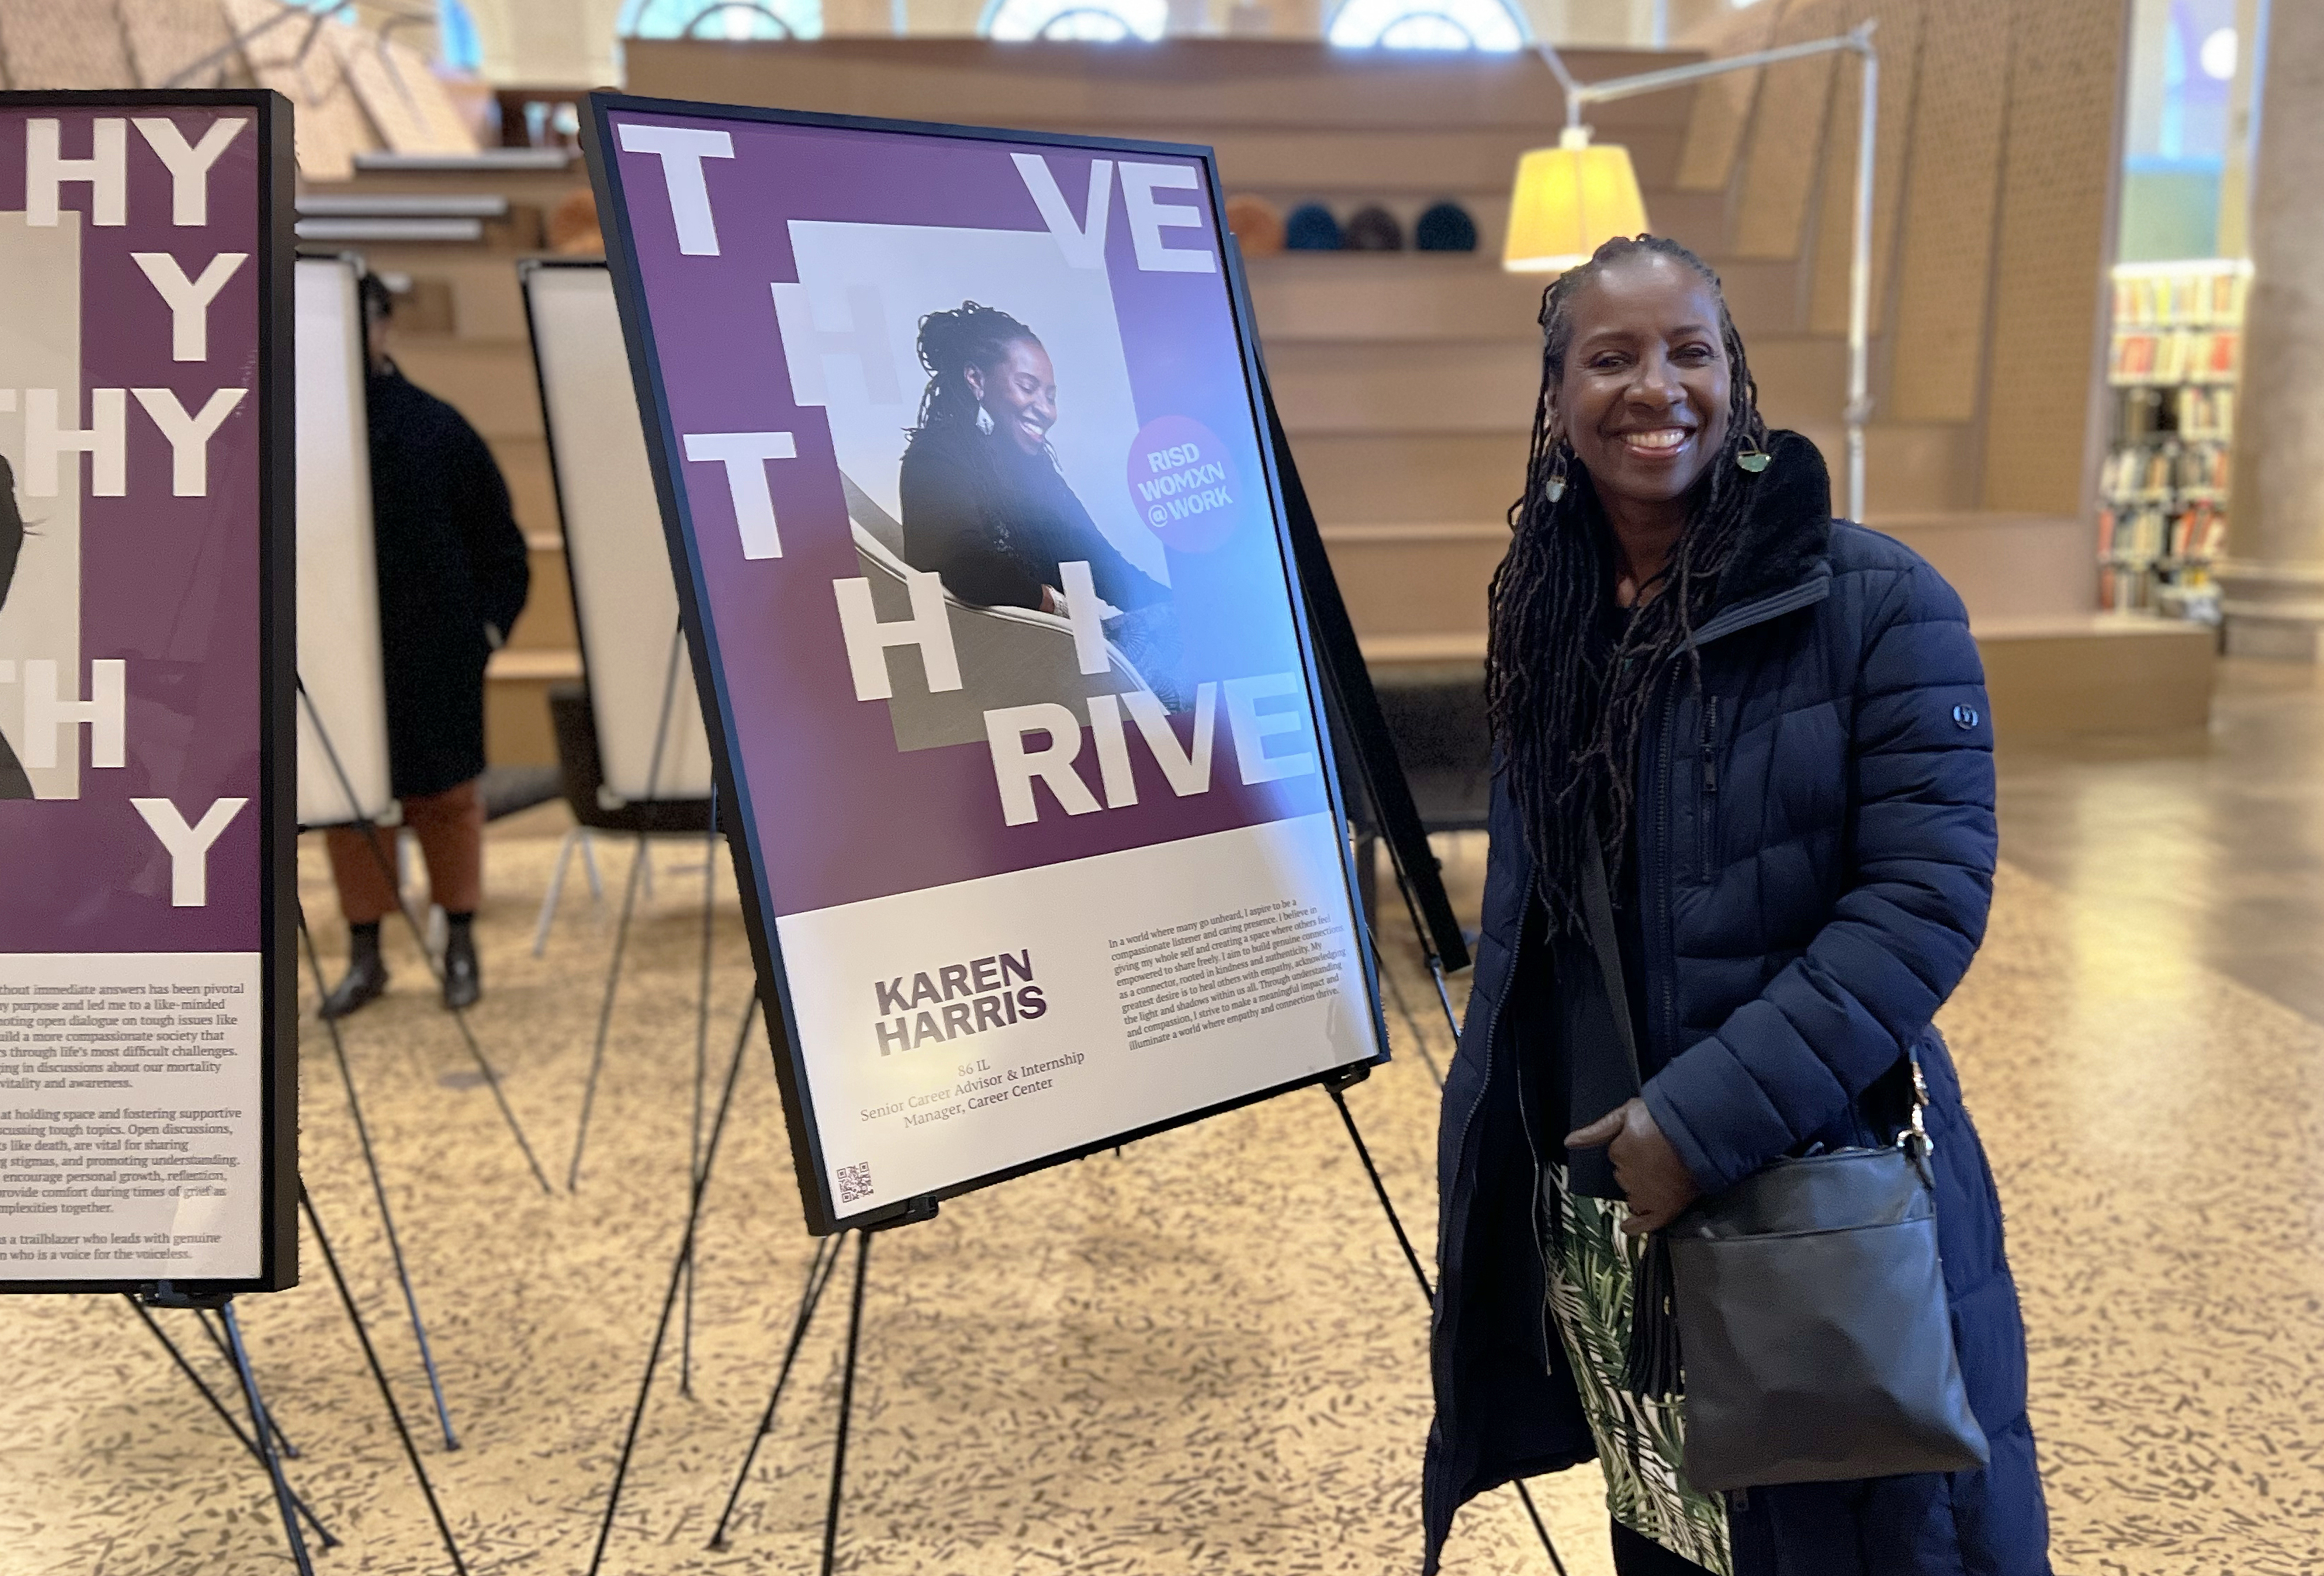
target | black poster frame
[
  {"x": 278, "y": 649},
  {"x": 822, "y": 1211}
]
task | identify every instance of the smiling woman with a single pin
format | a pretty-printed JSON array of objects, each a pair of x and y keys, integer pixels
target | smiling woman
[{"x": 1742, "y": 846}]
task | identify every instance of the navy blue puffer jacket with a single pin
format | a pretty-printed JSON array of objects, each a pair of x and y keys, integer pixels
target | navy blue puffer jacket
[{"x": 1816, "y": 845}]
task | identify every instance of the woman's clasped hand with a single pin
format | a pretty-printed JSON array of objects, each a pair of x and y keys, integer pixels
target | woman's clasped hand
[{"x": 1653, "y": 1179}]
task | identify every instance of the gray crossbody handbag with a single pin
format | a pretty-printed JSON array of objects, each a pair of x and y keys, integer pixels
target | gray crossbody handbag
[{"x": 1808, "y": 1307}]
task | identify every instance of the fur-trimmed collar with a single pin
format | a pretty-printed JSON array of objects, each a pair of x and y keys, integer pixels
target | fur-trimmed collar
[{"x": 1789, "y": 533}]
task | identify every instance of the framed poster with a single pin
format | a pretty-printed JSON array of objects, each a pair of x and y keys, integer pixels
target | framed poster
[
  {"x": 148, "y": 1052},
  {"x": 981, "y": 553}
]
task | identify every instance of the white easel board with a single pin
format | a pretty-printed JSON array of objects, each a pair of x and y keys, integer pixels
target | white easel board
[
  {"x": 625, "y": 600},
  {"x": 339, "y": 661}
]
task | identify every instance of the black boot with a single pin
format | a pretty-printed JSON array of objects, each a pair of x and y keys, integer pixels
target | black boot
[
  {"x": 366, "y": 977},
  {"x": 463, "y": 983}
]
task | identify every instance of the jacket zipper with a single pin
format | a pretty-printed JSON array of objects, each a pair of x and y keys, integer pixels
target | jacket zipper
[
  {"x": 1705, "y": 820},
  {"x": 1772, "y": 608},
  {"x": 1656, "y": 773},
  {"x": 1668, "y": 1003}
]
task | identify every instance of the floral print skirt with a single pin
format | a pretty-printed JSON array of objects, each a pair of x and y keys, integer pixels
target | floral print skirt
[{"x": 1592, "y": 1268}]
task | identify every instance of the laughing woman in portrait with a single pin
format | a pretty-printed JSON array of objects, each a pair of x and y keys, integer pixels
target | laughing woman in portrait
[
  {"x": 1742, "y": 850},
  {"x": 984, "y": 503}
]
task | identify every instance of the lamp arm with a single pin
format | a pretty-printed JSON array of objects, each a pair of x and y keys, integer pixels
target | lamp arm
[
  {"x": 1556, "y": 64},
  {"x": 1860, "y": 279},
  {"x": 1858, "y": 41}
]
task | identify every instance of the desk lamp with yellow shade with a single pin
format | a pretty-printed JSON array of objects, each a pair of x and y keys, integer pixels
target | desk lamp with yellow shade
[{"x": 1570, "y": 200}]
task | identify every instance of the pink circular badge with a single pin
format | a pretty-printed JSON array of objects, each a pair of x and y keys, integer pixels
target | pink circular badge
[{"x": 1184, "y": 484}]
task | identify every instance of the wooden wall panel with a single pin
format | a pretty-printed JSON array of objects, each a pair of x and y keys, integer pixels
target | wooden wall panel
[
  {"x": 1954, "y": 178},
  {"x": 1898, "y": 42},
  {"x": 169, "y": 36},
  {"x": 2049, "y": 267},
  {"x": 328, "y": 123},
  {"x": 62, "y": 44},
  {"x": 1722, "y": 105},
  {"x": 1194, "y": 85},
  {"x": 1780, "y": 160}
]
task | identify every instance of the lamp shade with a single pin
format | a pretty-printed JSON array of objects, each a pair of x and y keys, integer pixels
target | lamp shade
[{"x": 1570, "y": 200}]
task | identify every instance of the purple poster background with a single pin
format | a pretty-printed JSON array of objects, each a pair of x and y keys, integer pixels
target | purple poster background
[
  {"x": 169, "y": 585},
  {"x": 842, "y": 813}
]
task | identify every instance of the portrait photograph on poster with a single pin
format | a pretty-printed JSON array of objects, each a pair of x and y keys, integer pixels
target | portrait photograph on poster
[
  {"x": 960, "y": 449},
  {"x": 148, "y": 1083}
]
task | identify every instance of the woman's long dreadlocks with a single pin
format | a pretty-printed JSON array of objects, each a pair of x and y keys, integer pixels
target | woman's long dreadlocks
[
  {"x": 950, "y": 342},
  {"x": 1566, "y": 711}
]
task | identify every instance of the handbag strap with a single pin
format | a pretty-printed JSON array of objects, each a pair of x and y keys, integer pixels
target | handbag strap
[
  {"x": 1598, "y": 912},
  {"x": 1652, "y": 1361},
  {"x": 1915, "y": 1136}
]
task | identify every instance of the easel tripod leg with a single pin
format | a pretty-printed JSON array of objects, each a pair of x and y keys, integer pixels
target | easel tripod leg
[
  {"x": 606, "y": 1013},
  {"x": 701, "y": 1075},
  {"x": 669, "y": 1298},
  {"x": 1379, "y": 1187},
  {"x": 818, "y": 1276},
  {"x": 361, "y": 819},
  {"x": 846, "y": 1405},
  {"x": 282, "y": 1440},
  {"x": 556, "y": 891},
  {"x": 379, "y": 1376},
  {"x": 284, "y": 1501},
  {"x": 218, "y": 1406},
  {"x": 640, "y": 869},
  {"x": 379, "y": 1195},
  {"x": 1419, "y": 1036}
]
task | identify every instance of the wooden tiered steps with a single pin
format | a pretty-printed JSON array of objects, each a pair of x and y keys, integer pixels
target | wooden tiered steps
[{"x": 1407, "y": 379}]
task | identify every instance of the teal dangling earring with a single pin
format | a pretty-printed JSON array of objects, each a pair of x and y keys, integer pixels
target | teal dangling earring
[
  {"x": 1555, "y": 488},
  {"x": 1754, "y": 459}
]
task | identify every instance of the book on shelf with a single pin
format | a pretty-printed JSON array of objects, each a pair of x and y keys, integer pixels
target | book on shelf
[
  {"x": 2174, "y": 356},
  {"x": 2207, "y": 414},
  {"x": 2197, "y": 536},
  {"x": 2200, "y": 298},
  {"x": 2135, "y": 358}
]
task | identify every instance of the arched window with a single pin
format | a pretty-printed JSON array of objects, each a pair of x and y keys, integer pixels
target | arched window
[
  {"x": 456, "y": 37},
  {"x": 1426, "y": 24},
  {"x": 1087, "y": 20},
  {"x": 737, "y": 19}
]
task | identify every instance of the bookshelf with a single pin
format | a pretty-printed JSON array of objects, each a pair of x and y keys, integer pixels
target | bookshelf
[{"x": 2176, "y": 352}]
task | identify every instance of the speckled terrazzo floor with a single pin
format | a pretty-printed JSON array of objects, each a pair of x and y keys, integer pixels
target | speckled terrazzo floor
[{"x": 1204, "y": 1356}]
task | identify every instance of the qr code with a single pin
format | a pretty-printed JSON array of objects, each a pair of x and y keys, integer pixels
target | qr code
[{"x": 854, "y": 1181}]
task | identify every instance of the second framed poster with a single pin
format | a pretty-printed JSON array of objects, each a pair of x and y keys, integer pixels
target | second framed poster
[{"x": 957, "y": 446}]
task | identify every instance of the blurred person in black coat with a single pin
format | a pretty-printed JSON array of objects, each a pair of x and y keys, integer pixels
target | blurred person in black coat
[{"x": 452, "y": 580}]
